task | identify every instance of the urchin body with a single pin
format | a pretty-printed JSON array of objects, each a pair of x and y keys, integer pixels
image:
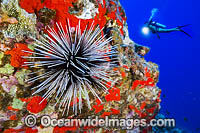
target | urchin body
[{"x": 75, "y": 64}]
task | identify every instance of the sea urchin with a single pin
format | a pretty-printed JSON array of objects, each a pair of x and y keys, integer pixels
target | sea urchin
[{"x": 74, "y": 64}]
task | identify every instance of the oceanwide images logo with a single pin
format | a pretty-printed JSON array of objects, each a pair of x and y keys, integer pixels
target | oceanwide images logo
[{"x": 47, "y": 121}]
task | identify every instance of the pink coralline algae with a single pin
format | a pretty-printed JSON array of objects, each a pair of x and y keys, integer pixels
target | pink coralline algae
[{"x": 7, "y": 83}]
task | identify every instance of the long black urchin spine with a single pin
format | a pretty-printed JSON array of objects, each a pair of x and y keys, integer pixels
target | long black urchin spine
[{"x": 73, "y": 63}]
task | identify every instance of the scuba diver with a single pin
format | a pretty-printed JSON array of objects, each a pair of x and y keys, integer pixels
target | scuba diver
[{"x": 157, "y": 28}]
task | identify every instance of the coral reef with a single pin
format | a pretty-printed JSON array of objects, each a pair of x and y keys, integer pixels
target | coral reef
[
  {"x": 21, "y": 23},
  {"x": 166, "y": 129},
  {"x": 132, "y": 90}
]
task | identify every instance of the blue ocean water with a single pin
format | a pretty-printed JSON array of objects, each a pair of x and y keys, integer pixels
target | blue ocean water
[{"x": 178, "y": 55}]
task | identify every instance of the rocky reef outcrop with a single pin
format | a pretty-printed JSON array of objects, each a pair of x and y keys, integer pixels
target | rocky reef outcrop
[{"x": 132, "y": 86}]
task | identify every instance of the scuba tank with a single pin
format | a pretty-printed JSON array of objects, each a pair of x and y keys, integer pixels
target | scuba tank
[{"x": 158, "y": 25}]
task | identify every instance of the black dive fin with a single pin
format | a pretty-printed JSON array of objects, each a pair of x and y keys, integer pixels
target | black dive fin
[
  {"x": 183, "y": 26},
  {"x": 185, "y": 33},
  {"x": 179, "y": 28}
]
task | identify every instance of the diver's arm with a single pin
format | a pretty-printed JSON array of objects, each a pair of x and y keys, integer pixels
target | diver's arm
[{"x": 153, "y": 12}]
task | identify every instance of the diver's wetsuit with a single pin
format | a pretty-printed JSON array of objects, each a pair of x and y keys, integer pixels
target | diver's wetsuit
[{"x": 160, "y": 28}]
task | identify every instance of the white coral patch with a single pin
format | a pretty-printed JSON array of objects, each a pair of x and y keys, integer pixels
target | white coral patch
[{"x": 89, "y": 10}]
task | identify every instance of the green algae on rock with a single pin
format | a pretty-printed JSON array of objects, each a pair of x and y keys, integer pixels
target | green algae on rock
[
  {"x": 21, "y": 75},
  {"x": 17, "y": 104},
  {"x": 7, "y": 69}
]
